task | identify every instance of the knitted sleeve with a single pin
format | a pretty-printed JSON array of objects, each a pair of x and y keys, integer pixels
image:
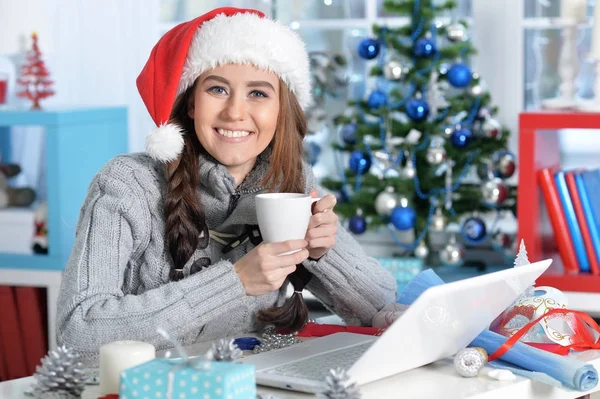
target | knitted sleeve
[
  {"x": 112, "y": 233},
  {"x": 348, "y": 282}
]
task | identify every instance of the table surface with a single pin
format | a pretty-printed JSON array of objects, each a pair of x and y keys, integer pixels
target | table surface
[{"x": 436, "y": 380}]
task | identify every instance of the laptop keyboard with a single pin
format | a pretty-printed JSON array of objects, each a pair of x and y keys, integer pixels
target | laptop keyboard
[{"x": 317, "y": 367}]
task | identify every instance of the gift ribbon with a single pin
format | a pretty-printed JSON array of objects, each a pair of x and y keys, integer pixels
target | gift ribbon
[{"x": 585, "y": 339}]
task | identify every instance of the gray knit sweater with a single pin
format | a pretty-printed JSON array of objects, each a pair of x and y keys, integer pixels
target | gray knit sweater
[{"x": 116, "y": 284}]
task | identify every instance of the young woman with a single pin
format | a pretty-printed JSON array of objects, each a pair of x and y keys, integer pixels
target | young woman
[{"x": 170, "y": 238}]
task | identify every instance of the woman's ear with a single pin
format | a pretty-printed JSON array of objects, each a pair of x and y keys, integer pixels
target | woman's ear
[{"x": 191, "y": 107}]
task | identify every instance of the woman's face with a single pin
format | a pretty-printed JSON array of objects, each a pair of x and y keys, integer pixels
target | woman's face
[{"x": 235, "y": 110}]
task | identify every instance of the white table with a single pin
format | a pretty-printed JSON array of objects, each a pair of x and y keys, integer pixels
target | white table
[{"x": 437, "y": 380}]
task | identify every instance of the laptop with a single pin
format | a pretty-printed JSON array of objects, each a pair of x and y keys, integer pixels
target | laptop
[{"x": 442, "y": 321}]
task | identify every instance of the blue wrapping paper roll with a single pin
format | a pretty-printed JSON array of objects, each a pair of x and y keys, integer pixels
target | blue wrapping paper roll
[{"x": 569, "y": 372}]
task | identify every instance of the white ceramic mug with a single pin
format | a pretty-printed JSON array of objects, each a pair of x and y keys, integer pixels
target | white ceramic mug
[{"x": 283, "y": 216}]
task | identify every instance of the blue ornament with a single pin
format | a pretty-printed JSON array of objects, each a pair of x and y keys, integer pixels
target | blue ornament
[
  {"x": 425, "y": 47},
  {"x": 357, "y": 224},
  {"x": 473, "y": 229},
  {"x": 459, "y": 75},
  {"x": 417, "y": 109},
  {"x": 461, "y": 137},
  {"x": 349, "y": 133},
  {"x": 360, "y": 162},
  {"x": 368, "y": 48},
  {"x": 377, "y": 99},
  {"x": 403, "y": 217}
]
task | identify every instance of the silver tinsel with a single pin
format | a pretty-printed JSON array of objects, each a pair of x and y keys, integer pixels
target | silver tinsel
[
  {"x": 225, "y": 350},
  {"x": 339, "y": 386},
  {"x": 61, "y": 375},
  {"x": 271, "y": 340}
]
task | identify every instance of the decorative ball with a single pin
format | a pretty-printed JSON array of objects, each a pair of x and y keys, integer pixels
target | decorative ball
[
  {"x": 494, "y": 192},
  {"x": 460, "y": 75},
  {"x": 435, "y": 155},
  {"x": 461, "y": 137},
  {"x": 360, "y": 162},
  {"x": 357, "y": 224},
  {"x": 452, "y": 254},
  {"x": 444, "y": 67},
  {"x": 468, "y": 362},
  {"x": 368, "y": 48},
  {"x": 408, "y": 171},
  {"x": 403, "y": 217},
  {"x": 457, "y": 33},
  {"x": 438, "y": 221},
  {"x": 421, "y": 251},
  {"x": 474, "y": 230},
  {"x": 386, "y": 201},
  {"x": 349, "y": 133},
  {"x": 485, "y": 171},
  {"x": 417, "y": 109},
  {"x": 500, "y": 241},
  {"x": 394, "y": 70},
  {"x": 448, "y": 130},
  {"x": 491, "y": 129},
  {"x": 425, "y": 47},
  {"x": 505, "y": 164},
  {"x": 476, "y": 90},
  {"x": 377, "y": 99}
]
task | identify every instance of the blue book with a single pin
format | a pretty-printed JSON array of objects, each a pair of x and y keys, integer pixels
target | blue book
[
  {"x": 574, "y": 230},
  {"x": 590, "y": 216}
]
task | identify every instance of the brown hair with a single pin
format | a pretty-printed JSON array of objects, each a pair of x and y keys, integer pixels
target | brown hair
[{"x": 185, "y": 218}]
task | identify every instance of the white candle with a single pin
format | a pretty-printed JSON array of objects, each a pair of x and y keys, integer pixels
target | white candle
[
  {"x": 573, "y": 9},
  {"x": 596, "y": 35},
  {"x": 118, "y": 356}
]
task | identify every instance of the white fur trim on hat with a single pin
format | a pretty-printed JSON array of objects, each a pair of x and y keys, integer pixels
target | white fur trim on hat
[
  {"x": 165, "y": 143},
  {"x": 249, "y": 39}
]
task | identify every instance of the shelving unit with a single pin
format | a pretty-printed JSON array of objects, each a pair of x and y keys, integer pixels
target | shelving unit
[
  {"x": 539, "y": 148},
  {"x": 78, "y": 141}
]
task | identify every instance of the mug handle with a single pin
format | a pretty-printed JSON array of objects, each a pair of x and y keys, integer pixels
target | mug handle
[{"x": 312, "y": 204}]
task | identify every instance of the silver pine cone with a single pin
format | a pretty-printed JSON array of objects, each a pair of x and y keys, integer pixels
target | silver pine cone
[
  {"x": 225, "y": 350},
  {"x": 339, "y": 386},
  {"x": 61, "y": 375}
]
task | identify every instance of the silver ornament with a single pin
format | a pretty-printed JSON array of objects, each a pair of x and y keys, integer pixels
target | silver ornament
[
  {"x": 61, "y": 374},
  {"x": 225, "y": 350},
  {"x": 394, "y": 70},
  {"x": 457, "y": 32},
  {"x": 491, "y": 129},
  {"x": 494, "y": 192},
  {"x": 476, "y": 90},
  {"x": 438, "y": 221},
  {"x": 452, "y": 254},
  {"x": 421, "y": 251},
  {"x": 435, "y": 155},
  {"x": 505, "y": 164},
  {"x": 469, "y": 361},
  {"x": 448, "y": 131},
  {"x": 408, "y": 171},
  {"x": 386, "y": 201}
]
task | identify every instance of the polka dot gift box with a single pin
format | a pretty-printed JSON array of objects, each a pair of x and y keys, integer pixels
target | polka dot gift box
[{"x": 171, "y": 379}]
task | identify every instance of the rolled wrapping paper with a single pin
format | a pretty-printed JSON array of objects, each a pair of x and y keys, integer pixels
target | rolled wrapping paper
[
  {"x": 568, "y": 372},
  {"x": 118, "y": 356}
]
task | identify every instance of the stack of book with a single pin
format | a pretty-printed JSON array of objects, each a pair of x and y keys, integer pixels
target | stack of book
[{"x": 572, "y": 198}]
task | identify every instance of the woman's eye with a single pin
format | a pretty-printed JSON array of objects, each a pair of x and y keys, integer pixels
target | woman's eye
[
  {"x": 217, "y": 90},
  {"x": 258, "y": 93}
]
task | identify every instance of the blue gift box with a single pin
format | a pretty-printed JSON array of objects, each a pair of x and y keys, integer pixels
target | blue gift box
[{"x": 170, "y": 379}]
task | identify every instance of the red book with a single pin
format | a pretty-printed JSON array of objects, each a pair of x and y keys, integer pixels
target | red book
[
  {"x": 30, "y": 306},
  {"x": 582, "y": 221},
  {"x": 558, "y": 221},
  {"x": 10, "y": 335}
]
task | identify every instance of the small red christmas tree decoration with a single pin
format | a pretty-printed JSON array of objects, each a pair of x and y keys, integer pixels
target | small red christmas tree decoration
[{"x": 34, "y": 77}]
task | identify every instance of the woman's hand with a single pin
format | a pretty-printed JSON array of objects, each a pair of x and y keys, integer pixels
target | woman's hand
[
  {"x": 262, "y": 270},
  {"x": 322, "y": 226}
]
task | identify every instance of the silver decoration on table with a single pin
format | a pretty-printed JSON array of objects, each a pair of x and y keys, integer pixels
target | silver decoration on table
[
  {"x": 61, "y": 375},
  {"x": 457, "y": 33},
  {"x": 394, "y": 70},
  {"x": 225, "y": 350},
  {"x": 438, "y": 221},
  {"x": 421, "y": 251},
  {"x": 469, "y": 361},
  {"x": 452, "y": 254},
  {"x": 386, "y": 201},
  {"x": 494, "y": 192},
  {"x": 272, "y": 340},
  {"x": 338, "y": 385}
]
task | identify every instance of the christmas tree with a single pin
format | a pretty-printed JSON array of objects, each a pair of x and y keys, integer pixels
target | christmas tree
[
  {"x": 427, "y": 125},
  {"x": 35, "y": 76}
]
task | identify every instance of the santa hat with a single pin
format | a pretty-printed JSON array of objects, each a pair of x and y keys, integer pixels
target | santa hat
[{"x": 223, "y": 36}]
